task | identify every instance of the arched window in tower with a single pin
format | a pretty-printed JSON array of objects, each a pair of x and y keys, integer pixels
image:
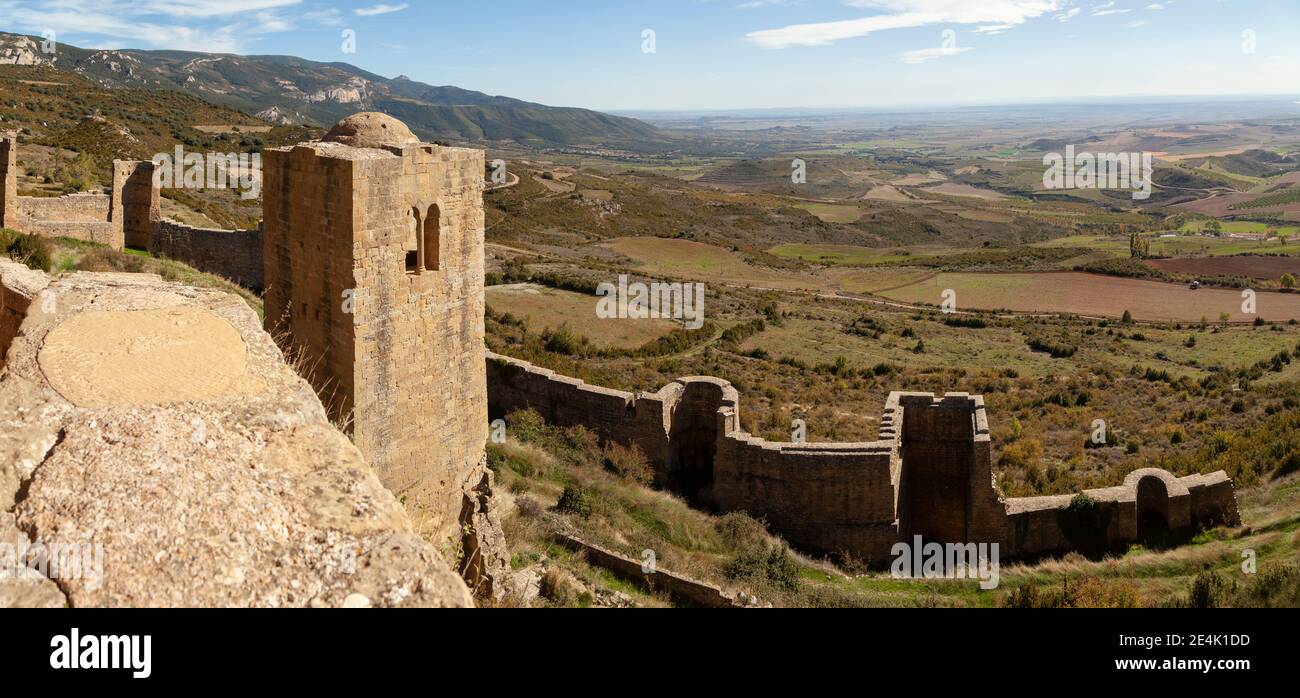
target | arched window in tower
[
  {"x": 412, "y": 241},
  {"x": 433, "y": 239}
]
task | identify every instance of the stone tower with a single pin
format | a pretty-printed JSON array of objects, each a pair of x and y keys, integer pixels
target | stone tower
[
  {"x": 9, "y": 173},
  {"x": 374, "y": 284}
]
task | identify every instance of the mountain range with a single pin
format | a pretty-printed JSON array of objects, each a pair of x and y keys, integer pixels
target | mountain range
[{"x": 285, "y": 90}]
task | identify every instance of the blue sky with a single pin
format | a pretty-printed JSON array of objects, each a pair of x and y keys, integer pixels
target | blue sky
[{"x": 731, "y": 54}]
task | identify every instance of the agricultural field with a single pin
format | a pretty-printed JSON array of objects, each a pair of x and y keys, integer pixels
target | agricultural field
[
  {"x": 1168, "y": 245},
  {"x": 1255, "y": 267},
  {"x": 1094, "y": 295},
  {"x": 684, "y": 259},
  {"x": 550, "y": 309},
  {"x": 832, "y": 213}
]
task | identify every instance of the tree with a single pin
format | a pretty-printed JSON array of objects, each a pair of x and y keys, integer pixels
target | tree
[
  {"x": 1128, "y": 318},
  {"x": 1139, "y": 247},
  {"x": 1288, "y": 281},
  {"x": 1214, "y": 227}
]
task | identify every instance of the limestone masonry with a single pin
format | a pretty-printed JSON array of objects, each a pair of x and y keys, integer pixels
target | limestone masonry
[{"x": 374, "y": 283}]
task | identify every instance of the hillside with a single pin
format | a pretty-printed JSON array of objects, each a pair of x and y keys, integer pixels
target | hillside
[
  {"x": 72, "y": 115},
  {"x": 287, "y": 90}
]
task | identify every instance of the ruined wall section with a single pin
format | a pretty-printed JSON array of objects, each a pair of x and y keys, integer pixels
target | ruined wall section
[
  {"x": 1043, "y": 525},
  {"x": 131, "y": 209},
  {"x": 77, "y": 216},
  {"x": 233, "y": 254},
  {"x": 834, "y": 498}
]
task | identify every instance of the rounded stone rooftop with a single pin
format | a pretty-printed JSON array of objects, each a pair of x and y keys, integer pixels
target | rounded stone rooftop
[{"x": 370, "y": 130}]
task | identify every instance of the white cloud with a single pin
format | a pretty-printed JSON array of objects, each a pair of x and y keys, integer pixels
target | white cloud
[
  {"x": 380, "y": 10},
  {"x": 195, "y": 25},
  {"x": 1135, "y": 25},
  {"x": 993, "y": 29},
  {"x": 1069, "y": 15},
  {"x": 904, "y": 14},
  {"x": 202, "y": 8},
  {"x": 1103, "y": 10},
  {"x": 922, "y": 55}
]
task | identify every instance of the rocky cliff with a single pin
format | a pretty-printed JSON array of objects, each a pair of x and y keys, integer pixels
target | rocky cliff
[{"x": 156, "y": 450}]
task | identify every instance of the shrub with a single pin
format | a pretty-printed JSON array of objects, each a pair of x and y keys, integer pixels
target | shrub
[
  {"x": 562, "y": 340},
  {"x": 558, "y": 587},
  {"x": 740, "y": 531},
  {"x": 630, "y": 463},
  {"x": 105, "y": 259},
  {"x": 970, "y": 322},
  {"x": 1021, "y": 454},
  {"x": 1276, "y": 586},
  {"x": 1208, "y": 590},
  {"x": 764, "y": 564},
  {"x": 1088, "y": 592},
  {"x": 575, "y": 500},
  {"x": 31, "y": 250},
  {"x": 1057, "y": 349},
  {"x": 1084, "y": 523},
  {"x": 528, "y": 508}
]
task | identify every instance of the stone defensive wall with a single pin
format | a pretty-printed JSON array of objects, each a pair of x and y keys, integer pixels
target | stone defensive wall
[
  {"x": 233, "y": 254},
  {"x": 78, "y": 216},
  {"x": 1039, "y": 525},
  {"x": 928, "y": 474},
  {"x": 124, "y": 216}
]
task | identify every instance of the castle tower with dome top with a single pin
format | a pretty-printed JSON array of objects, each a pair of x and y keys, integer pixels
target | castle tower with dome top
[{"x": 374, "y": 285}]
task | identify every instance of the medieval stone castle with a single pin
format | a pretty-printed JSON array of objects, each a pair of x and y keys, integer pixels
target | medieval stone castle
[{"x": 371, "y": 254}]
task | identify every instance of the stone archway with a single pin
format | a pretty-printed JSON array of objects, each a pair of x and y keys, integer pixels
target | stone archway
[
  {"x": 693, "y": 442},
  {"x": 1152, "y": 509}
]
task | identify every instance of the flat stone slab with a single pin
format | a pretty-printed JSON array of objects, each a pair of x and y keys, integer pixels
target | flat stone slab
[{"x": 143, "y": 357}]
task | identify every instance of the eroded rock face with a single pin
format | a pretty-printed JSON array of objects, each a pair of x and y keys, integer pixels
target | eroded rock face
[{"x": 229, "y": 489}]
